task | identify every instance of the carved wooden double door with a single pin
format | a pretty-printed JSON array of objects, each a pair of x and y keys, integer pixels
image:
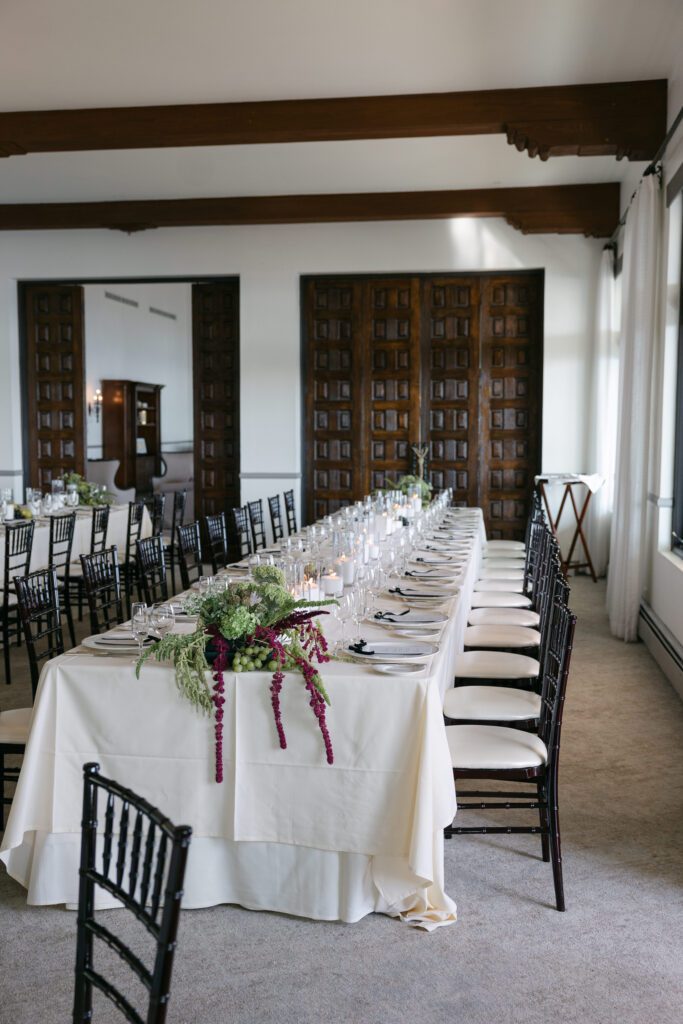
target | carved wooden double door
[{"x": 453, "y": 362}]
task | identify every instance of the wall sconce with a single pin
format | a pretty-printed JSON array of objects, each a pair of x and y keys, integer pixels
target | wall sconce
[{"x": 95, "y": 405}]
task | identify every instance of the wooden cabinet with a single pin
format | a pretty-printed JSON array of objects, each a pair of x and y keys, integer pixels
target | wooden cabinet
[{"x": 131, "y": 431}]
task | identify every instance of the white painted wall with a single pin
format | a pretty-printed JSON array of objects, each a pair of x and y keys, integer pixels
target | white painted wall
[
  {"x": 133, "y": 343},
  {"x": 269, "y": 261}
]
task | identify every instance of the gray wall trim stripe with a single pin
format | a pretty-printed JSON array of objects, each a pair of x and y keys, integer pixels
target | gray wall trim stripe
[
  {"x": 660, "y": 502},
  {"x": 270, "y": 476},
  {"x": 11, "y": 472}
]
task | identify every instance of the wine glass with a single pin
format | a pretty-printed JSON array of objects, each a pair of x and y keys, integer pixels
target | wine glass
[
  {"x": 205, "y": 585},
  {"x": 343, "y": 612},
  {"x": 139, "y": 624},
  {"x": 161, "y": 619}
]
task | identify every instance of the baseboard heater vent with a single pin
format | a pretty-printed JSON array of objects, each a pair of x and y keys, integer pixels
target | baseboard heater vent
[
  {"x": 121, "y": 298},
  {"x": 663, "y": 646}
]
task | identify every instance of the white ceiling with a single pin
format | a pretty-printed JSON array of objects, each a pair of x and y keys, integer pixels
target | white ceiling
[{"x": 79, "y": 53}]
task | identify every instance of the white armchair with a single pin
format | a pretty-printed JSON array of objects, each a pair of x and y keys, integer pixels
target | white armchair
[
  {"x": 102, "y": 472},
  {"x": 179, "y": 476}
]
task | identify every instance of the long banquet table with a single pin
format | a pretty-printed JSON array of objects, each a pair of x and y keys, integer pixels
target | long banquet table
[
  {"x": 116, "y": 534},
  {"x": 284, "y": 831}
]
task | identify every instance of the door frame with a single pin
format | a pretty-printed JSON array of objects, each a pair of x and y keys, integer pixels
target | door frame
[
  {"x": 22, "y": 286},
  {"x": 304, "y": 280}
]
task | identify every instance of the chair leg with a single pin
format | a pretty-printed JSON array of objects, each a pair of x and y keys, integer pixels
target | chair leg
[
  {"x": 555, "y": 845},
  {"x": 5, "y": 647},
  {"x": 2, "y": 791},
  {"x": 80, "y": 601},
  {"x": 543, "y": 818},
  {"x": 70, "y": 620}
]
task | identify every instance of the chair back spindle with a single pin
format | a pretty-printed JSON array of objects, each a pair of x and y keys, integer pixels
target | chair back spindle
[
  {"x": 190, "y": 554},
  {"x": 102, "y": 582},
  {"x": 139, "y": 859},
  {"x": 240, "y": 519},
  {"x": 38, "y": 600},
  {"x": 257, "y": 523},
  {"x": 152, "y": 569}
]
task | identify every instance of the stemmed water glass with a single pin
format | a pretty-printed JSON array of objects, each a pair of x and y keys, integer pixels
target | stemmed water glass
[
  {"x": 139, "y": 624},
  {"x": 342, "y": 612},
  {"x": 161, "y": 619}
]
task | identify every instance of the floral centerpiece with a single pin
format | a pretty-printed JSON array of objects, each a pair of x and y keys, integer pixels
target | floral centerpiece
[
  {"x": 405, "y": 483},
  {"x": 88, "y": 494},
  {"x": 251, "y": 625}
]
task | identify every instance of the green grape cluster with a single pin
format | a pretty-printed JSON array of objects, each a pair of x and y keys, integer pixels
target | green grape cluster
[{"x": 257, "y": 659}]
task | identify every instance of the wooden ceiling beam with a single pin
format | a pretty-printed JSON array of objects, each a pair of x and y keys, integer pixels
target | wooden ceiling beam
[
  {"x": 618, "y": 118},
  {"x": 591, "y": 210}
]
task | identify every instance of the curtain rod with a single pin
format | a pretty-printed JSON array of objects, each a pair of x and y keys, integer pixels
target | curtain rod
[{"x": 651, "y": 168}]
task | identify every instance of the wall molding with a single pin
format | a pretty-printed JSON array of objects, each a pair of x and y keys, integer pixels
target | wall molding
[
  {"x": 622, "y": 119},
  {"x": 11, "y": 472},
  {"x": 664, "y": 647},
  {"x": 270, "y": 476},
  {"x": 590, "y": 210}
]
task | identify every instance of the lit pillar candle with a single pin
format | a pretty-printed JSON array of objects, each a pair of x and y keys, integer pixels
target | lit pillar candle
[
  {"x": 333, "y": 585},
  {"x": 345, "y": 570},
  {"x": 382, "y": 525}
]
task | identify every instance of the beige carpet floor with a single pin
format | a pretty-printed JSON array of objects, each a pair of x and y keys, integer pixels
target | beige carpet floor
[{"x": 615, "y": 956}]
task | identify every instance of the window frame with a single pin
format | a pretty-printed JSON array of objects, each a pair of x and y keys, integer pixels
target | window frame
[{"x": 677, "y": 510}]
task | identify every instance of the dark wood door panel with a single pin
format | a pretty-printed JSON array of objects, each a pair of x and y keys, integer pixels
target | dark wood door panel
[
  {"x": 215, "y": 344},
  {"x": 511, "y": 349},
  {"x": 55, "y": 382},
  {"x": 391, "y": 377},
  {"x": 450, "y": 392},
  {"x": 453, "y": 361},
  {"x": 333, "y": 408}
]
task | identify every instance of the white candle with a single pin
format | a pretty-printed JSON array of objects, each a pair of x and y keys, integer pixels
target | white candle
[
  {"x": 382, "y": 526},
  {"x": 333, "y": 585},
  {"x": 9, "y": 512},
  {"x": 345, "y": 569}
]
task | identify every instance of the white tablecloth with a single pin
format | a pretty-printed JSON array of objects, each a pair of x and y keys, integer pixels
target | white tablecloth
[
  {"x": 116, "y": 534},
  {"x": 284, "y": 831}
]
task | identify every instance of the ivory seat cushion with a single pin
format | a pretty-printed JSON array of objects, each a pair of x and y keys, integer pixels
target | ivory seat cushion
[
  {"x": 503, "y": 617},
  {"x": 494, "y": 747},
  {"x": 510, "y": 564},
  {"x": 505, "y": 585},
  {"x": 497, "y": 599},
  {"x": 491, "y": 703},
  {"x": 494, "y": 665},
  {"x": 516, "y": 575},
  {"x": 504, "y": 545},
  {"x": 15, "y": 725},
  {"x": 501, "y": 636}
]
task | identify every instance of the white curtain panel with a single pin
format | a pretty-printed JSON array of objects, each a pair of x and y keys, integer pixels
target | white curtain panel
[
  {"x": 628, "y": 550},
  {"x": 602, "y": 435}
]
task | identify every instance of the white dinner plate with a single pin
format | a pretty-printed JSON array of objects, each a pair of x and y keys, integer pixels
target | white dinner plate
[
  {"x": 406, "y": 669},
  {"x": 394, "y": 650},
  {"x": 418, "y": 634},
  {"x": 115, "y": 643}
]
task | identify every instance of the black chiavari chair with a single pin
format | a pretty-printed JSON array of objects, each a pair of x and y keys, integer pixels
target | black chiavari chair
[
  {"x": 152, "y": 569},
  {"x": 98, "y": 541},
  {"x": 290, "y": 511},
  {"x": 62, "y": 529},
  {"x": 276, "y": 517},
  {"x": 190, "y": 554},
  {"x": 40, "y": 613},
  {"x": 171, "y": 536},
  {"x": 217, "y": 533},
  {"x": 18, "y": 547},
  {"x": 38, "y": 604},
  {"x": 257, "y": 523},
  {"x": 503, "y": 754},
  {"x": 140, "y": 860},
  {"x": 157, "y": 507},
  {"x": 129, "y": 569},
  {"x": 240, "y": 520},
  {"x": 102, "y": 583}
]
